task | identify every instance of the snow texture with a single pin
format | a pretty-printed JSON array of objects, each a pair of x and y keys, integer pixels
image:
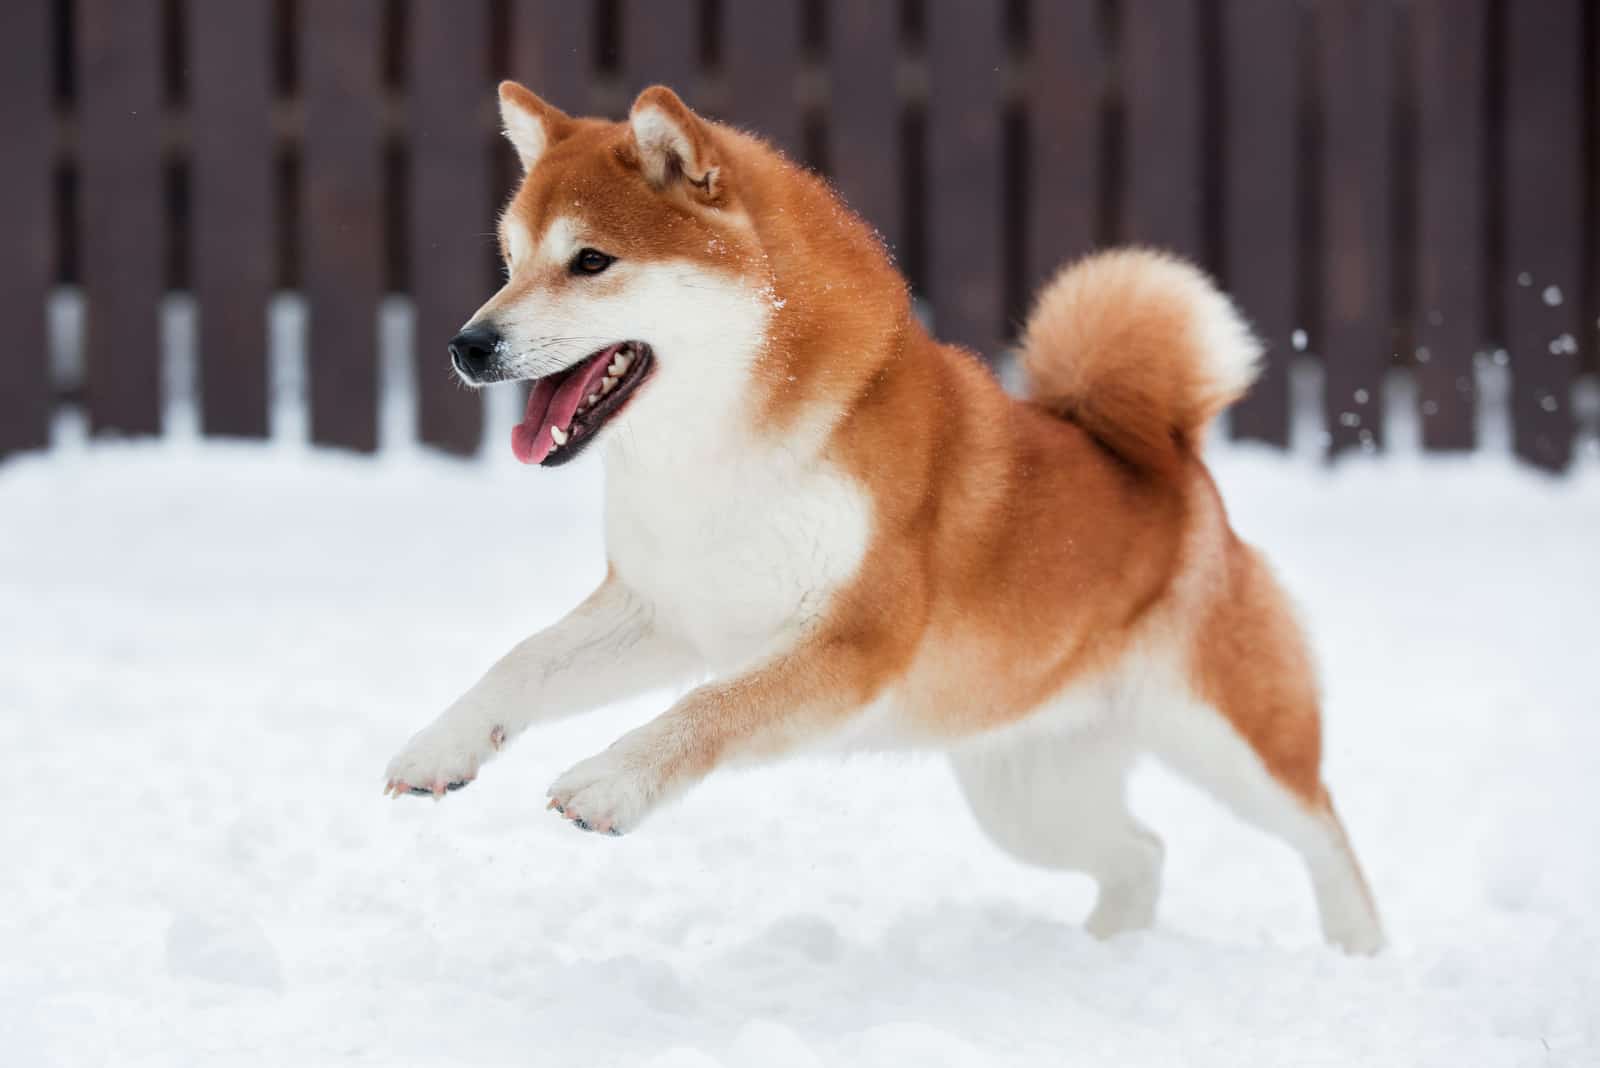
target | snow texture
[{"x": 209, "y": 652}]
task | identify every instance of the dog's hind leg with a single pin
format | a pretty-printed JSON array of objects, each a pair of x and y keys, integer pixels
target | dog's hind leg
[
  {"x": 1249, "y": 730},
  {"x": 1206, "y": 748},
  {"x": 1061, "y": 802}
]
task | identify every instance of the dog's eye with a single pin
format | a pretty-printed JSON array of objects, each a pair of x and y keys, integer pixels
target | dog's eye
[{"x": 590, "y": 261}]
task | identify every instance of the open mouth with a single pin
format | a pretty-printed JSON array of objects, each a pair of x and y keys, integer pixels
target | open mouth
[{"x": 567, "y": 409}]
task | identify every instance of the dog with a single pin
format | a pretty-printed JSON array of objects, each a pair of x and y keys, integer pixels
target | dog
[{"x": 860, "y": 538}]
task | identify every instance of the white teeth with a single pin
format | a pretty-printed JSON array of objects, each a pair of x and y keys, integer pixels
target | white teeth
[
  {"x": 593, "y": 397},
  {"x": 559, "y": 435},
  {"x": 607, "y": 385}
]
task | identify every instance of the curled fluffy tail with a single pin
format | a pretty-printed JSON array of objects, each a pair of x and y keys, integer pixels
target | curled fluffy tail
[{"x": 1141, "y": 350}]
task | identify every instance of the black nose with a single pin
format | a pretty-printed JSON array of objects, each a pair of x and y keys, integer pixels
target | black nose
[{"x": 472, "y": 350}]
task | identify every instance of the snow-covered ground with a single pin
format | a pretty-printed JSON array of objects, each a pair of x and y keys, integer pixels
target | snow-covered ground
[{"x": 207, "y": 654}]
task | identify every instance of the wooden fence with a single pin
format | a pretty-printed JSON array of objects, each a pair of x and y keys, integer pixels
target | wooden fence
[{"x": 1378, "y": 181}]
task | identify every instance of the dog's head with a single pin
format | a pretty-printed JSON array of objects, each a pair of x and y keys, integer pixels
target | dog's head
[{"x": 633, "y": 278}]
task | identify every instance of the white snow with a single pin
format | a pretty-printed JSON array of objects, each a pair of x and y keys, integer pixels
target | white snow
[{"x": 209, "y": 652}]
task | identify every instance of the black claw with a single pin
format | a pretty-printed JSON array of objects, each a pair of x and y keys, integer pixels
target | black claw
[
  {"x": 613, "y": 832},
  {"x": 453, "y": 786},
  {"x": 560, "y": 809},
  {"x": 417, "y": 791},
  {"x": 577, "y": 821}
]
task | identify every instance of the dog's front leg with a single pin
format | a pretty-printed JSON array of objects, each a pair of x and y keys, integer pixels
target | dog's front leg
[
  {"x": 786, "y": 701},
  {"x": 607, "y": 649}
]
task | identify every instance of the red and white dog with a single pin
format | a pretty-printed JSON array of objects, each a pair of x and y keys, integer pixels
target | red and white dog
[{"x": 860, "y": 538}]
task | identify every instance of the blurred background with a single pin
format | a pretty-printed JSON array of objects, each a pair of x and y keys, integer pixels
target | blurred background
[{"x": 215, "y": 205}]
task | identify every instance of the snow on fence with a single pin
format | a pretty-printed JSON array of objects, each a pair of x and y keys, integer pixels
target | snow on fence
[{"x": 1384, "y": 184}]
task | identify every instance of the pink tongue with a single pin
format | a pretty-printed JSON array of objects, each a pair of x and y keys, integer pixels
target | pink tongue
[{"x": 550, "y": 404}]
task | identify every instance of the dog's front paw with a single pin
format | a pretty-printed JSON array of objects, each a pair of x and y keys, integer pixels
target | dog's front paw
[
  {"x": 609, "y": 793},
  {"x": 443, "y": 756}
]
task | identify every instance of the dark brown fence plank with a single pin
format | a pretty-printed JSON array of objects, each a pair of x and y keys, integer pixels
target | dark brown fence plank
[
  {"x": 1543, "y": 221},
  {"x": 1260, "y": 177},
  {"x": 119, "y": 92},
  {"x": 552, "y": 50},
  {"x": 343, "y": 216},
  {"x": 1591, "y": 317},
  {"x": 864, "y": 113},
  {"x": 1066, "y": 96},
  {"x": 661, "y": 45},
  {"x": 1450, "y": 40},
  {"x": 25, "y": 220},
  {"x": 1161, "y": 90},
  {"x": 450, "y": 211},
  {"x": 1355, "y": 41},
  {"x": 1591, "y": 314},
  {"x": 230, "y": 93},
  {"x": 963, "y": 172},
  {"x": 761, "y": 60}
]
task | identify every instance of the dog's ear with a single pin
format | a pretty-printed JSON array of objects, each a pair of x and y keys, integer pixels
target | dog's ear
[
  {"x": 530, "y": 124},
  {"x": 674, "y": 144}
]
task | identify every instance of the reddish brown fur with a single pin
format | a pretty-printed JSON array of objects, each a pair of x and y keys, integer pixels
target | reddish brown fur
[
  {"x": 1117, "y": 344},
  {"x": 1251, "y": 663}
]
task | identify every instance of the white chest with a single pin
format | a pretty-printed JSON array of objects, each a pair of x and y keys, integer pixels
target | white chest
[{"x": 734, "y": 553}]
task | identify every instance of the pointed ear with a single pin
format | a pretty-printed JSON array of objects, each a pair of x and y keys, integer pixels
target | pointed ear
[
  {"x": 674, "y": 144},
  {"x": 530, "y": 124}
]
